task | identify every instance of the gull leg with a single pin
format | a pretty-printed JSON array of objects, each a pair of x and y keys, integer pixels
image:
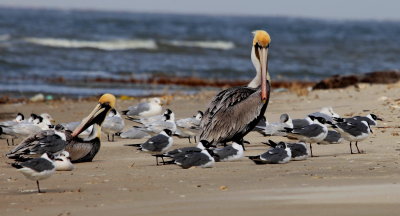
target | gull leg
[
  {"x": 162, "y": 158},
  {"x": 113, "y": 137},
  {"x": 37, "y": 183},
  {"x": 8, "y": 144},
  {"x": 195, "y": 139},
  {"x": 311, "y": 150},
  {"x": 351, "y": 149},
  {"x": 189, "y": 140},
  {"x": 157, "y": 161},
  {"x": 108, "y": 137},
  {"x": 12, "y": 140},
  {"x": 357, "y": 148}
]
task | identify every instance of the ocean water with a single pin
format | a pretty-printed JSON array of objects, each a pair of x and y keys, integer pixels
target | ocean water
[{"x": 65, "y": 52}]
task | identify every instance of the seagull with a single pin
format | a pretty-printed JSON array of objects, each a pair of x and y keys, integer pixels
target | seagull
[
  {"x": 229, "y": 153},
  {"x": 145, "y": 109},
  {"x": 234, "y": 112},
  {"x": 279, "y": 154},
  {"x": 312, "y": 133},
  {"x": 47, "y": 141},
  {"x": 37, "y": 169},
  {"x": 327, "y": 113},
  {"x": 62, "y": 162},
  {"x": 275, "y": 129},
  {"x": 47, "y": 119},
  {"x": 353, "y": 131},
  {"x": 168, "y": 122},
  {"x": 202, "y": 159},
  {"x": 332, "y": 137},
  {"x": 299, "y": 150},
  {"x": 113, "y": 124},
  {"x": 24, "y": 129},
  {"x": 18, "y": 119},
  {"x": 371, "y": 119},
  {"x": 149, "y": 120},
  {"x": 157, "y": 144},
  {"x": 190, "y": 122},
  {"x": 176, "y": 153},
  {"x": 189, "y": 127},
  {"x": 32, "y": 117},
  {"x": 85, "y": 149},
  {"x": 300, "y": 123},
  {"x": 134, "y": 133}
]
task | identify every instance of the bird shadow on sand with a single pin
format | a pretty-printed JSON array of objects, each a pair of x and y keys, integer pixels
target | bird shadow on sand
[
  {"x": 43, "y": 191},
  {"x": 337, "y": 155}
]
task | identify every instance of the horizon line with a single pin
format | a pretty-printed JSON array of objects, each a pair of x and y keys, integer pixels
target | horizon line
[{"x": 164, "y": 12}]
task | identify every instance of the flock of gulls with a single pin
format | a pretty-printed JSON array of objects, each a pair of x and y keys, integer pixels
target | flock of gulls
[{"x": 218, "y": 132}]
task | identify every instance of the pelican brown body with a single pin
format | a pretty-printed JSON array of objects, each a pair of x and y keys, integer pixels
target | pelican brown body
[
  {"x": 84, "y": 150},
  {"x": 234, "y": 112}
]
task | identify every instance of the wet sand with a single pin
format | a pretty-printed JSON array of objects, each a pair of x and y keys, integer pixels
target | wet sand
[{"x": 123, "y": 181}]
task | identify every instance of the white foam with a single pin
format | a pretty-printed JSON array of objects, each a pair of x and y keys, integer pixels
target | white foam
[
  {"x": 103, "y": 45},
  {"x": 4, "y": 37},
  {"x": 223, "y": 45}
]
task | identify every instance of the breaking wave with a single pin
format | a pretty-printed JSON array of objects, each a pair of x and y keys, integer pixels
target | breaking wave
[
  {"x": 222, "y": 45},
  {"x": 102, "y": 45}
]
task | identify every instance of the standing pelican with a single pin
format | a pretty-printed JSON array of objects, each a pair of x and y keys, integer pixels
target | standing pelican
[
  {"x": 84, "y": 150},
  {"x": 234, "y": 112}
]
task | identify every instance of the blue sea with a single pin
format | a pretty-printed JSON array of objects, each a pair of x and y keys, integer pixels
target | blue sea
[{"x": 66, "y": 51}]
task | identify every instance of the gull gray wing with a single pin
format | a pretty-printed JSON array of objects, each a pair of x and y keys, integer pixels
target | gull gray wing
[
  {"x": 274, "y": 155},
  {"x": 312, "y": 130},
  {"x": 225, "y": 152},
  {"x": 193, "y": 159},
  {"x": 354, "y": 129},
  {"x": 38, "y": 164},
  {"x": 156, "y": 143},
  {"x": 136, "y": 110}
]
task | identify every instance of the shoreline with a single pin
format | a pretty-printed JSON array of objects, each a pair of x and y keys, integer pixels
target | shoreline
[{"x": 297, "y": 86}]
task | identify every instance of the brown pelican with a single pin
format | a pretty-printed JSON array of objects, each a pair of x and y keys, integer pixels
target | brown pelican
[
  {"x": 84, "y": 150},
  {"x": 234, "y": 112}
]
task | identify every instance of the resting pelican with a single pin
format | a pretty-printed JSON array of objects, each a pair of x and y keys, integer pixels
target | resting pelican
[
  {"x": 234, "y": 112},
  {"x": 84, "y": 150}
]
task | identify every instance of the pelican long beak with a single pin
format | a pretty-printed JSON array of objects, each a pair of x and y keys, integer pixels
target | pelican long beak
[
  {"x": 264, "y": 69},
  {"x": 98, "y": 115}
]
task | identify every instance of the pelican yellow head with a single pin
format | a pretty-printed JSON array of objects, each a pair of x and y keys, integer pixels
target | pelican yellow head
[
  {"x": 108, "y": 98},
  {"x": 99, "y": 113},
  {"x": 261, "y": 38}
]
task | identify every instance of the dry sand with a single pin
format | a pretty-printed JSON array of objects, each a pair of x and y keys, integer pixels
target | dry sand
[{"x": 122, "y": 181}]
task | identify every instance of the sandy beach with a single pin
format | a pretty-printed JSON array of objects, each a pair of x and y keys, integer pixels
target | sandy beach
[{"x": 123, "y": 181}]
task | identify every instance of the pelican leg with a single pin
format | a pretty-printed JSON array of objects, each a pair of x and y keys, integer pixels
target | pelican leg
[
  {"x": 357, "y": 148},
  {"x": 351, "y": 149}
]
